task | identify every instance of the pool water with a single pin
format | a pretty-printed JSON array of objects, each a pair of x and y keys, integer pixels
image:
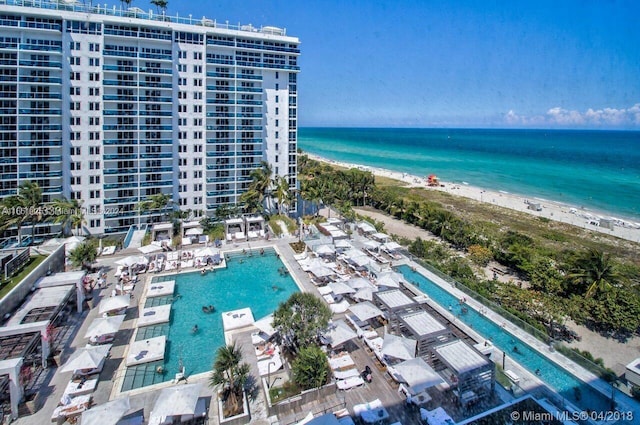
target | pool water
[
  {"x": 553, "y": 375},
  {"x": 250, "y": 280}
]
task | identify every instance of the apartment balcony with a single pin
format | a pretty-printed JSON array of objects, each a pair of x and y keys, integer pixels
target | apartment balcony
[
  {"x": 40, "y": 80},
  {"x": 119, "y": 98},
  {"x": 41, "y": 64},
  {"x": 111, "y": 171},
  {"x": 121, "y": 83},
  {"x": 49, "y": 158},
  {"x": 55, "y": 96},
  {"x": 119, "y": 68}
]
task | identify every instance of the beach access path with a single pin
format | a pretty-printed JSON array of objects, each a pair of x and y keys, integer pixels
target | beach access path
[{"x": 551, "y": 210}]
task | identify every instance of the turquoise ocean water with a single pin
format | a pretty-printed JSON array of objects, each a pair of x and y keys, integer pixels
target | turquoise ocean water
[{"x": 597, "y": 170}]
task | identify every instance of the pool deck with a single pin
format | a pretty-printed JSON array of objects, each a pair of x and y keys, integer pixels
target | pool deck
[{"x": 110, "y": 380}]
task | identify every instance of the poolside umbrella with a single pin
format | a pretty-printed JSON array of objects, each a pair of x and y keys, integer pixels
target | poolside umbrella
[
  {"x": 389, "y": 279},
  {"x": 104, "y": 326},
  {"x": 148, "y": 249},
  {"x": 265, "y": 324},
  {"x": 365, "y": 311},
  {"x": 86, "y": 358},
  {"x": 339, "y": 333},
  {"x": 360, "y": 260},
  {"x": 206, "y": 252},
  {"x": 371, "y": 245},
  {"x": 359, "y": 282},
  {"x": 132, "y": 260},
  {"x": 324, "y": 250},
  {"x": 343, "y": 244},
  {"x": 399, "y": 347},
  {"x": 194, "y": 231},
  {"x": 418, "y": 375},
  {"x": 114, "y": 303},
  {"x": 364, "y": 294},
  {"x": 174, "y": 401},
  {"x": 321, "y": 271},
  {"x": 108, "y": 413},
  {"x": 340, "y": 288}
]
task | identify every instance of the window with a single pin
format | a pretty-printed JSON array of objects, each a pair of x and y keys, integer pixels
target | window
[
  {"x": 74, "y": 106},
  {"x": 95, "y": 223},
  {"x": 276, "y": 158},
  {"x": 94, "y": 121},
  {"x": 197, "y": 174},
  {"x": 74, "y": 121},
  {"x": 94, "y": 179},
  {"x": 197, "y": 121},
  {"x": 94, "y": 76},
  {"x": 74, "y": 45},
  {"x": 197, "y": 161},
  {"x": 197, "y": 56},
  {"x": 94, "y": 61},
  {"x": 197, "y": 69},
  {"x": 75, "y": 195},
  {"x": 197, "y": 95},
  {"x": 197, "y": 187},
  {"x": 182, "y": 81},
  {"x": 277, "y": 98},
  {"x": 197, "y": 82},
  {"x": 74, "y": 150},
  {"x": 182, "y": 67},
  {"x": 277, "y": 111},
  {"x": 197, "y": 148},
  {"x": 277, "y": 86},
  {"x": 94, "y": 91},
  {"x": 76, "y": 180},
  {"x": 182, "y": 148},
  {"x": 277, "y": 134},
  {"x": 182, "y": 121},
  {"x": 197, "y": 108},
  {"x": 182, "y": 95},
  {"x": 94, "y": 194},
  {"x": 74, "y": 60},
  {"x": 94, "y": 47},
  {"x": 182, "y": 54},
  {"x": 277, "y": 123},
  {"x": 74, "y": 91},
  {"x": 277, "y": 75},
  {"x": 75, "y": 166},
  {"x": 74, "y": 76},
  {"x": 182, "y": 108},
  {"x": 94, "y": 106}
]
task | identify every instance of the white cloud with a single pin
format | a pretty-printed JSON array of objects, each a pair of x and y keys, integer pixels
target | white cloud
[{"x": 560, "y": 117}]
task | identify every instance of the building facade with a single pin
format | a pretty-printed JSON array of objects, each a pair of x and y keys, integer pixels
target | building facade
[{"x": 112, "y": 106}]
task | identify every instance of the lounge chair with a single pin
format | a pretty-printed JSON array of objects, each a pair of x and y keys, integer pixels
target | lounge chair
[
  {"x": 349, "y": 383},
  {"x": 345, "y": 374}
]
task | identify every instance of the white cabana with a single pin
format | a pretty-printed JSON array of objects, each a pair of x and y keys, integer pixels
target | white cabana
[
  {"x": 418, "y": 375},
  {"x": 148, "y": 249},
  {"x": 194, "y": 231},
  {"x": 359, "y": 282},
  {"x": 371, "y": 245},
  {"x": 104, "y": 326},
  {"x": 338, "y": 333},
  {"x": 391, "y": 246},
  {"x": 114, "y": 303},
  {"x": 108, "y": 413},
  {"x": 364, "y": 294},
  {"x": 340, "y": 288},
  {"x": 323, "y": 250},
  {"x": 132, "y": 260},
  {"x": 390, "y": 279},
  {"x": 366, "y": 227},
  {"x": 342, "y": 244},
  {"x": 86, "y": 358},
  {"x": 365, "y": 311},
  {"x": 175, "y": 401},
  {"x": 381, "y": 237},
  {"x": 321, "y": 271},
  {"x": 265, "y": 324},
  {"x": 399, "y": 347},
  {"x": 206, "y": 252}
]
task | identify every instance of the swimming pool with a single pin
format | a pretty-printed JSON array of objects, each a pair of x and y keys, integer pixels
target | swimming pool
[
  {"x": 255, "y": 281},
  {"x": 553, "y": 375}
]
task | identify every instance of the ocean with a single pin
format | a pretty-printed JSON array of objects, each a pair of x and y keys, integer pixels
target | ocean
[{"x": 595, "y": 170}]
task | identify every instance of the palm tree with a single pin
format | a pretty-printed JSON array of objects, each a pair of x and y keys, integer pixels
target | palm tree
[
  {"x": 283, "y": 195},
  {"x": 68, "y": 214},
  {"x": 160, "y": 4},
  {"x": 595, "y": 270},
  {"x": 84, "y": 255},
  {"x": 159, "y": 201},
  {"x": 25, "y": 207},
  {"x": 232, "y": 374},
  {"x": 262, "y": 182}
]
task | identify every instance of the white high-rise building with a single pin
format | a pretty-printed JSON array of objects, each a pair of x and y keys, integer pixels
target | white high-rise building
[{"x": 112, "y": 106}]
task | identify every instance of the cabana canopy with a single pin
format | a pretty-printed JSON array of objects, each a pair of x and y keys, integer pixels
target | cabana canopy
[
  {"x": 132, "y": 260},
  {"x": 194, "y": 231},
  {"x": 418, "y": 375},
  {"x": 364, "y": 294},
  {"x": 176, "y": 400},
  {"x": 366, "y": 227},
  {"x": 324, "y": 250},
  {"x": 365, "y": 311},
  {"x": 114, "y": 303},
  {"x": 265, "y": 324},
  {"x": 359, "y": 282},
  {"x": 86, "y": 358},
  {"x": 389, "y": 279},
  {"x": 339, "y": 333},
  {"x": 104, "y": 326},
  {"x": 108, "y": 413},
  {"x": 340, "y": 288},
  {"x": 399, "y": 347},
  {"x": 391, "y": 246},
  {"x": 148, "y": 249},
  {"x": 321, "y": 271}
]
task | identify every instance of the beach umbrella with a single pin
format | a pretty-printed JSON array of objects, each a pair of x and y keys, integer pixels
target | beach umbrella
[
  {"x": 324, "y": 250},
  {"x": 108, "y": 413},
  {"x": 86, "y": 358},
  {"x": 174, "y": 401},
  {"x": 365, "y": 311},
  {"x": 399, "y": 347},
  {"x": 417, "y": 374},
  {"x": 359, "y": 282},
  {"x": 132, "y": 260},
  {"x": 265, "y": 324},
  {"x": 364, "y": 294},
  {"x": 104, "y": 326},
  {"x": 321, "y": 271},
  {"x": 114, "y": 303},
  {"x": 194, "y": 231},
  {"x": 338, "y": 333},
  {"x": 389, "y": 279},
  {"x": 340, "y": 288}
]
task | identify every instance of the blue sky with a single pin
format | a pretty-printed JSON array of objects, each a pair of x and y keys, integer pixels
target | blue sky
[{"x": 558, "y": 64}]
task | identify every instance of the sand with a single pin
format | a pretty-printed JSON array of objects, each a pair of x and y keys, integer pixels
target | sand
[{"x": 576, "y": 216}]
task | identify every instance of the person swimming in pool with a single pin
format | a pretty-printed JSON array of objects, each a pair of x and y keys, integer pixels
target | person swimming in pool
[{"x": 194, "y": 329}]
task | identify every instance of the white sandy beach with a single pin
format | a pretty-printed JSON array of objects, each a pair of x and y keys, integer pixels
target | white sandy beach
[{"x": 551, "y": 210}]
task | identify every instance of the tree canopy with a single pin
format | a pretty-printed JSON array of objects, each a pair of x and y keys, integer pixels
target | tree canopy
[{"x": 300, "y": 320}]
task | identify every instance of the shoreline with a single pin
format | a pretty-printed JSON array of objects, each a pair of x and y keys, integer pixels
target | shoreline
[{"x": 553, "y": 210}]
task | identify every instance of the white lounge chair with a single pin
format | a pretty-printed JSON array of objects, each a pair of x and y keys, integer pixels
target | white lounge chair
[
  {"x": 349, "y": 383},
  {"x": 345, "y": 374}
]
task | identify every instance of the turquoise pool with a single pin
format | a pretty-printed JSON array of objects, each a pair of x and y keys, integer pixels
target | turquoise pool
[
  {"x": 553, "y": 375},
  {"x": 253, "y": 281}
]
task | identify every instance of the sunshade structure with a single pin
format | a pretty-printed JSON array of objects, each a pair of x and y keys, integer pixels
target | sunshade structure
[
  {"x": 391, "y": 246},
  {"x": 340, "y": 288},
  {"x": 206, "y": 252},
  {"x": 174, "y": 401},
  {"x": 265, "y": 325},
  {"x": 365, "y": 311},
  {"x": 339, "y": 333},
  {"x": 86, "y": 358},
  {"x": 418, "y": 375},
  {"x": 132, "y": 260},
  {"x": 148, "y": 249},
  {"x": 194, "y": 231},
  {"x": 381, "y": 237},
  {"x": 364, "y": 294},
  {"x": 399, "y": 347},
  {"x": 372, "y": 245},
  {"x": 108, "y": 413},
  {"x": 72, "y": 242},
  {"x": 366, "y": 227},
  {"x": 321, "y": 271},
  {"x": 114, "y": 303},
  {"x": 359, "y": 282},
  {"x": 390, "y": 279},
  {"x": 324, "y": 250},
  {"x": 342, "y": 244},
  {"x": 104, "y": 326}
]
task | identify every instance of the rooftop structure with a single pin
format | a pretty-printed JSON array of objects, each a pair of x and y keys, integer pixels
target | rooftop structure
[
  {"x": 424, "y": 328},
  {"x": 111, "y": 106}
]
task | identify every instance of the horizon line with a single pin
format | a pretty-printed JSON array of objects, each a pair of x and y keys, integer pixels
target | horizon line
[{"x": 472, "y": 128}]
